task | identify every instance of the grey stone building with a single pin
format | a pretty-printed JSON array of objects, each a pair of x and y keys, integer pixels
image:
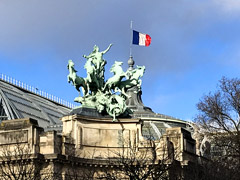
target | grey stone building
[{"x": 57, "y": 142}]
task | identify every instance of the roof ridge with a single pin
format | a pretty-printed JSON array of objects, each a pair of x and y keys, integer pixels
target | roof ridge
[{"x": 34, "y": 90}]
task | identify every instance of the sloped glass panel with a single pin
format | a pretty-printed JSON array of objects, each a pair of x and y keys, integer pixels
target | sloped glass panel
[{"x": 3, "y": 115}]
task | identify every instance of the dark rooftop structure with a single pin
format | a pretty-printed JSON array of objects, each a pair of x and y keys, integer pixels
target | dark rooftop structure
[{"x": 18, "y": 100}]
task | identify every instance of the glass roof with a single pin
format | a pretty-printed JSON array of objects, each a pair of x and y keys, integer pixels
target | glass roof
[{"x": 16, "y": 102}]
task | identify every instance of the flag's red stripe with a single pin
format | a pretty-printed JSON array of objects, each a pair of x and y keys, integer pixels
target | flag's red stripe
[{"x": 148, "y": 40}]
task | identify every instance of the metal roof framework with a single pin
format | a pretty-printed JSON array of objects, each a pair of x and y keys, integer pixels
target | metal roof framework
[{"x": 18, "y": 103}]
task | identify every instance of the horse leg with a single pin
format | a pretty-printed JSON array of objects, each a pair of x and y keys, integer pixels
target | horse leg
[
  {"x": 104, "y": 88},
  {"x": 139, "y": 83},
  {"x": 114, "y": 117},
  {"x": 86, "y": 89},
  {"x": 78, "y": 89},
  {"x": 68, "y": 78},
  {"x": 83, "y": 91},
  {"x": 110, "y": 90}
]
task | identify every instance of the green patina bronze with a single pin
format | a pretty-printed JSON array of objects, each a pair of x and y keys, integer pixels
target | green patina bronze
[{"x": 106, "y": 96}]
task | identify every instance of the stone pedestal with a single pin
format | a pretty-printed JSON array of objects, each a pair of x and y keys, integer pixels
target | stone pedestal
[
  {"x": 96, "y": 137},
  {"x": 92, "y": 142}
]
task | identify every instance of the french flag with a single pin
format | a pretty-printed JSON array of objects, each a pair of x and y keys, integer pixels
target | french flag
[{"x": 141, "y": 39}]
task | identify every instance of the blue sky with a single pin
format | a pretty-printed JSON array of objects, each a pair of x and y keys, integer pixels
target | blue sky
[{"x": 194, "y": 44}]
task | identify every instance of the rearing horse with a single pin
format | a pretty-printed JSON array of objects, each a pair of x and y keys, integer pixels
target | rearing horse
[
  {"x": 133, "y": 80},
  {"x": 118, "y": 75},
  {"x": 75, "y": 79}
]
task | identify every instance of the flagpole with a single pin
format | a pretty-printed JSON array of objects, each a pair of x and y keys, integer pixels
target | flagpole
[
  {"x": 131, "y": 61},
  {"x": 131, "y": 28}
]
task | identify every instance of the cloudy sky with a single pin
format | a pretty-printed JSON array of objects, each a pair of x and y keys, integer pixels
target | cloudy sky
[{"x": 194, "y": 44}]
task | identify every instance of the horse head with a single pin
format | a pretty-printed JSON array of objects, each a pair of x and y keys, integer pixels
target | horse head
[
  {"x": 140, "y": 70},
  {"x": 116, "y": 67},
  {"x": 70, "y": 66}
]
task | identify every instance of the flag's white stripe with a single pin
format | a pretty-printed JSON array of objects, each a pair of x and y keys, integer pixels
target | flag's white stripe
[{"x": 142, "y": 39}]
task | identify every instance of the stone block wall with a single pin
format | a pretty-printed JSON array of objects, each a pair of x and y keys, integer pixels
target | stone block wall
[{"x": 87, "y": 143}]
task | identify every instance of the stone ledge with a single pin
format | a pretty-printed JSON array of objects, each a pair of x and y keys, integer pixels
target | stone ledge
[{"x": 16, "y": 124}]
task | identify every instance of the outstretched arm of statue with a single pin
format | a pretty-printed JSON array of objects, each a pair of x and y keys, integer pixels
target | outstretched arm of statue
[
  {"x": 85, "y": 56},
  {"x": 107, "y": 49},
  {"x": 89, "y": 56}
]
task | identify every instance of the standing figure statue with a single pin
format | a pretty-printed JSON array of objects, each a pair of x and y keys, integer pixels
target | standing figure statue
[
  {"x": 97, "y": 56},
  {"x": 98, "y": 62}
]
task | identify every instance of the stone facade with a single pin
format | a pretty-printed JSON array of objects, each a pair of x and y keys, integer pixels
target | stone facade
[{"x": 86, "y": 145}]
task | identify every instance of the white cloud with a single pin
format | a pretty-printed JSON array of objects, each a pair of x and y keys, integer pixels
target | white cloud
[{"x": 229, "y": 6}]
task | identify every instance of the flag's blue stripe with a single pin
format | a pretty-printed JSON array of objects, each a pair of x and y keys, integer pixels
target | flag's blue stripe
[{"x": 135, "y": 37}]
